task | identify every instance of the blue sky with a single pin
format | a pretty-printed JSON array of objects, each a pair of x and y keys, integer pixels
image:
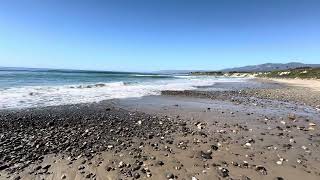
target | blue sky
[{"x": 147, "y": 35}]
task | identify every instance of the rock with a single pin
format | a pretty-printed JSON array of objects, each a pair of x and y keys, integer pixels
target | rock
[
  {"x": 245, "y": 177},
  {"x": 4, "y": 166},
  {"x": 136, "y": 175},
  {"x": 37, "y": 168},
  {"x": 235, "y": 164},
  {"x": 109, "y": 168},
  {"x": 200, "y": 125},
  {"x": 251, "y": 140},
  {"x": 63, "y": 176},
  {"x": 280, "y": 161},
  {"x": 17, "y": 178},
  {"x": 83, "y": 162},
  {"x": 247, "y": 145},
  {"x": 89, "y": 175},
  {"x": 245, "y": 164},
  {"x": 299, "y": 161},
  {"x": 292, "y": 141},
  {"x": 47, "y": 167},
  {"x": 150, "y": 136},
  {"x": 291, "y": 116},
  {"x": 312, "y": 124},
  {"x": 182, "y": 123},
  {"x": 205, "y": 155},
  {"x": 279, "y": 178},
  {"x": 160, "y": 163},
  {"x": 136, "y": 167},
  {"x": 311, "y": 128},
  {"x": 81, "y": 167},
  {"x": 121, "y": 164},
  {"x": 223, "y": 172},
  {"x": 214, "y": 147},
  {"x": 262, "y": 170},
  {"x": 51, "y": 123},
  {"x": 169, "y": 176},
  {"x": 149, "y": 174}
]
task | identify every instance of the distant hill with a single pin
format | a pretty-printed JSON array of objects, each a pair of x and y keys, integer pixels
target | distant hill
[
  {"x": 270, "y": 67},
  {"x": 302, "y": 73}
]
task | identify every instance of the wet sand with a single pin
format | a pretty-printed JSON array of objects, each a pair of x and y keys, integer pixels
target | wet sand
[{"x": 267, "y": 131}]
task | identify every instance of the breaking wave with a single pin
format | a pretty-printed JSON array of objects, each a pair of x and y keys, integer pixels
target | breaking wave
[{"x": 35, "y": 96}]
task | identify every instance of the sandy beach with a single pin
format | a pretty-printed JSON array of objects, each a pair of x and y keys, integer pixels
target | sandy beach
[
  {"x": 259, "y": 130},
  {"x": 159, "y": 90},
  {"x": 313, "y": 84}
]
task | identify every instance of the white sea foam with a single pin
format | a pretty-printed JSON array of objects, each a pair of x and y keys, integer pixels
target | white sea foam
[{"x": 32, "y": 96}]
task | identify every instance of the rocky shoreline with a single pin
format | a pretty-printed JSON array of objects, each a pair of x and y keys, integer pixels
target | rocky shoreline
[
  {"x": 231, "y": 134},
  {"x": 272, "y": 91},
  {"x": 75, "y": 131}
]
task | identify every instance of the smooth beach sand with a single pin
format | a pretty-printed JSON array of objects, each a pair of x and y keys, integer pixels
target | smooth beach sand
[
  {"x": 264, "y": 132},
  {"x": 309, "y": 83}
]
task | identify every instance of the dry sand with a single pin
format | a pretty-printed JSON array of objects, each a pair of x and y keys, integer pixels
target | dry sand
[{"x": 309, "y": 83}]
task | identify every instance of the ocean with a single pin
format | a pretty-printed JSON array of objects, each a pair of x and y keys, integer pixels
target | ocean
[{"x": 38, "y": 88}]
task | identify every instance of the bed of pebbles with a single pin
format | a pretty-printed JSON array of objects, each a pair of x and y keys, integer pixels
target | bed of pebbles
[{"x": 80, "y": 130}]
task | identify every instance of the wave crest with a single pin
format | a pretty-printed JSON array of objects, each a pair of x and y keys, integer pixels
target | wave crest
[{"x": 32, "y": 96}]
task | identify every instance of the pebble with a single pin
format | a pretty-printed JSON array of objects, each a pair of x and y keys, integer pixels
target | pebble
[
  {"x": 247, "y": 145},
  {"x": 47, "y": 166},
  {"x": 223, "y": 172},
  {"x": 312, "y": 124},
  {"x": 292, "y": 116},
  {"x": 160, "y": 163},
  {"x": 245, "y": 177},
  {"x": 262, "y": 170},
  {"x": 169, "y": 176},
  {"x": 17, "y": 178},
  {"x": 280, "y": 162},
  {"x": 136, "y": 175},
  {"x": 214, "y": 147},
  {"x": 205, "y": 155},
  {"x": 121, "y": 164},
  {"x": 37, "y": 168},
  {"x": 279, "y": 178}
]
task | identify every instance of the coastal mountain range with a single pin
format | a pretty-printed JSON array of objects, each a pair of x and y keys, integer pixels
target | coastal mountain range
[
  {"x": 270, "y": 67},
  {"x": 250, "y": 68}
]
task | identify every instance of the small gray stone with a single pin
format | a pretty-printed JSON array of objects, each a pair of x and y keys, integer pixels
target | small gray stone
[
  {"x": 169, "y": 176},
  {"x": 223, "y": 172}
]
